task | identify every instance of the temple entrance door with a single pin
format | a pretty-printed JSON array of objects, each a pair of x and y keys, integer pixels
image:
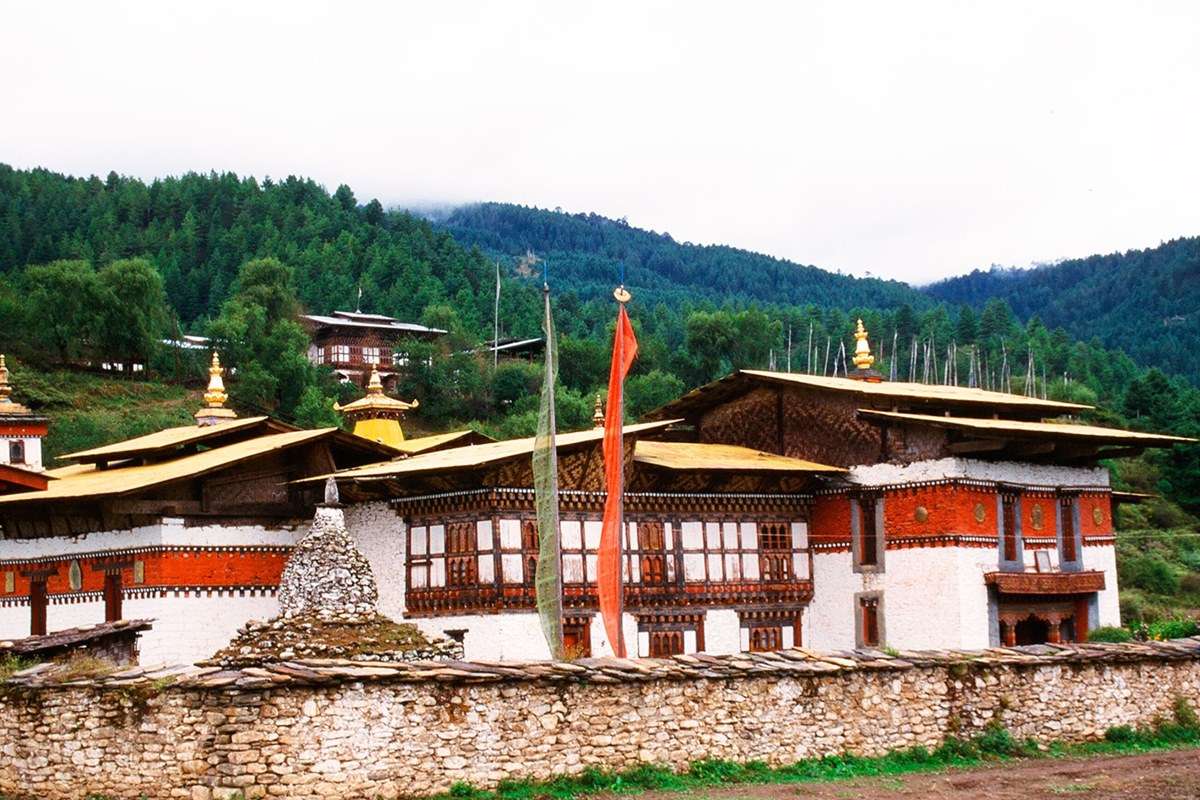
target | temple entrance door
[{"x": 1033, "y": 630}]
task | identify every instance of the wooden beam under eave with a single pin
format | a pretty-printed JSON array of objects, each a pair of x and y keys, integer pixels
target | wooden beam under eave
[
  {"x": 1029, "y": 449},
  {"x": 977, "y": 446},
  {"x": 1120, "y": 452}
]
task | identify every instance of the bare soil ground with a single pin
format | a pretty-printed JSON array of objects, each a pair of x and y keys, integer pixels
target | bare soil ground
[{"x": 1169, "y": 775}]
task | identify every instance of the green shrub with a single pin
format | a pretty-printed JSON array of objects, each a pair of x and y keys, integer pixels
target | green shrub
[
  {"x": 1109, "y": 633},
  {"x": 1121, "y": 734},
  {"x": 1185, "y": 715},
  {"x": 996, "y": 740},
  {"x": 1149, "y": 572},
  {"x": 1173, "y": 629}
]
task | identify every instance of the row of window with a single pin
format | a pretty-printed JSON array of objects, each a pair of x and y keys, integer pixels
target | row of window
[
  {"x": 665, "y": 635},
  {"x": 471, "y": 553},
  {"x": 348, "y": 354},
  {"x": 868, "y": 536}
]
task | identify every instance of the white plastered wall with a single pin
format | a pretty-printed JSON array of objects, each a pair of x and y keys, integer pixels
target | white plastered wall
[
  {"x": 1000, "y": 471},
  {"x": 33, "y": 451},
  {"x": 379, "y": 533},
  {"x": 1108, "y": 603},
  {"x": 187, "y": 626}
]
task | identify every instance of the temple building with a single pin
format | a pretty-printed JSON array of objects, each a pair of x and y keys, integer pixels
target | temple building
[
  {"x": 771, "y": 509},
  {"x": 763, "y": 511},
  {"x": 352, "y": 343},
  {"x": 969, "y": 518},
  {"x": 188, "y": 527}
]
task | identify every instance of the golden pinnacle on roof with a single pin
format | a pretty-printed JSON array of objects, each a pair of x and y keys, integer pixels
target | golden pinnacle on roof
[
  {"x": 375, "y": 415},
  {"x": 374, "y": 384},
  {"x": 7, "y": 404},
  {"x": 5, "y": 386},
  {"x": 598, "y": 414},
  {"x": 862, "y": 350},
  {"x": 214, "y": 410}
]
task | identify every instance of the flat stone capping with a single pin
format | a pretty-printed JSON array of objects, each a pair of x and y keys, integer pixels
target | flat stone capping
[{"x": 785, "y": 663}]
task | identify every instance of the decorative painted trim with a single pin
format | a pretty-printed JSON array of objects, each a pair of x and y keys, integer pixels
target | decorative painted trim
[
  {"x": 842, "y": 544},
  {"x": 145, "y": 593},
  {"x": 150, "y": 549},
  {"x": 974, "y": 483}
]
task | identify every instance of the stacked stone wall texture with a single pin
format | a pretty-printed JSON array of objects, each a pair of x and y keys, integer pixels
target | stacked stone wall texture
[{"x": 324, "y": 729}]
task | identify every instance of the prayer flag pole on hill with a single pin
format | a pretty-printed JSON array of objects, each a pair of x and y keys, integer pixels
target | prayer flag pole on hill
[
  {"x": 548, "y": 574},
  {"x": 608, "y": 571}
]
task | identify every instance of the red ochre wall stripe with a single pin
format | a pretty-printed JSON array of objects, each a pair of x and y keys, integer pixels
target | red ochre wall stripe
[
  {"x": 956, "y": 515},
  {"x": 192, "y": 568}
]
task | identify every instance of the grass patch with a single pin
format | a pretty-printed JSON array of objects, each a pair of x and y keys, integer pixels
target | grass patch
[
  {"x": 79, "y": 667},
  {"x": 994, "y": 744},
  {"x": 11, "y": 665}
]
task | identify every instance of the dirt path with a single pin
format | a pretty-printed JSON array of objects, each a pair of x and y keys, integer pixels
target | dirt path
[{"x": 1172, "y": 775}]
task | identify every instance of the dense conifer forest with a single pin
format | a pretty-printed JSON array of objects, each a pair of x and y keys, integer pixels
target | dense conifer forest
[{"x": 1144, "y": 302}]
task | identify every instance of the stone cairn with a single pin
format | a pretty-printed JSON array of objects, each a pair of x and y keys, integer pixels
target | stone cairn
[
  {"x": 326, "y": 575},
  {"x": 327, "y": 601}
]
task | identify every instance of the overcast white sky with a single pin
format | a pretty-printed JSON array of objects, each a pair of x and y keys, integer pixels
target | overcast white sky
[{"x": 913, "y": 140}]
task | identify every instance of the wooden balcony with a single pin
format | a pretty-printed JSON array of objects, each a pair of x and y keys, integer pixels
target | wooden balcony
[
  {"x": 1046, "y": 583},
  {"x": 493, "y": 599}
]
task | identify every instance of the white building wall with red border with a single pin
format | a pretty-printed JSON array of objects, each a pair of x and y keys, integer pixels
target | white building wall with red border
[{"x": 190, "y": 623}]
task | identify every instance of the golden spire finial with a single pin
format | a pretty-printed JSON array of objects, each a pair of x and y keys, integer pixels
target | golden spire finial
[
  {"x": 5, "y": 386},
  {"x": 374, "y": 384},
  {"x": 215, "y": 397},
  {"x": 598, "y": 414},
  {"x": 862, "y": 350},
  {"x": 214, "y": 409}
]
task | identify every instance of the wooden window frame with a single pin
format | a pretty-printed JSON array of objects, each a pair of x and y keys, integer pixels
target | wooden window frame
[
  {"x": 1008, "y": 521},
  {"x": 868, "y": 608},
  {"x": 16, "y": 452},
  {"x": 864, "y": 507},
  {"x": 1070, "y": 542},
  {"x": 770, "y": 619},
  {"x": 580, "y": 628},
  {"x": 113, "y": 592},
  {"x": 663, "y": 628},
  {"x": 39, "y": 604}
]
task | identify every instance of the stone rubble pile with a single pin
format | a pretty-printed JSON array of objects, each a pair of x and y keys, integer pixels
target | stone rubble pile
[
  {"x": 327, "y": 600},
  {"x": 326, "y": 574}
]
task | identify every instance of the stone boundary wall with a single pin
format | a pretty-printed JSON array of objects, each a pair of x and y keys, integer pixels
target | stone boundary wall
[{"x": 343, "y": 729}]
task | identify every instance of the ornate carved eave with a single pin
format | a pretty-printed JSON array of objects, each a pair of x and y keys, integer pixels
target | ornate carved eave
[{"x": 1051, "y": 583}]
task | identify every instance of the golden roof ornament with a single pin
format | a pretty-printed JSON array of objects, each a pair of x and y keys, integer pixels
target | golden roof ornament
[
  {"x": 598, "y": 414},
  {"x": 7, "y": 404},
  {"x": 214, "y": 410},
  {"x": 5, "y": 386},
  {"x": 374, "y": 384},
  {"x": 862, "y": 350},
  {"x": 377, "y": 416}
]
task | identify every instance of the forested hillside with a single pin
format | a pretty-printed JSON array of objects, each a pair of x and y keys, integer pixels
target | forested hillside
[
  {"x": 1144, "y": 302},
  {"x": 588, "y": 250}
]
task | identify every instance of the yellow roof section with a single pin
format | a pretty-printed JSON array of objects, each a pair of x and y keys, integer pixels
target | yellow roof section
[
  {"x": 83, "y": 482},
  {"x": 423, "y": 443},
  {"x": 167, "y": 439},
  {"x": 720, "y": 457},
  {"x": 915, "y": 391},
  {"x": 476, "y": 455},
  {"x": 1014, "y": 428}
]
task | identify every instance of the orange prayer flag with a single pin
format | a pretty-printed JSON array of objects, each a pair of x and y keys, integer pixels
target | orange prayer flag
[{"x": 608, "y": 570}]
